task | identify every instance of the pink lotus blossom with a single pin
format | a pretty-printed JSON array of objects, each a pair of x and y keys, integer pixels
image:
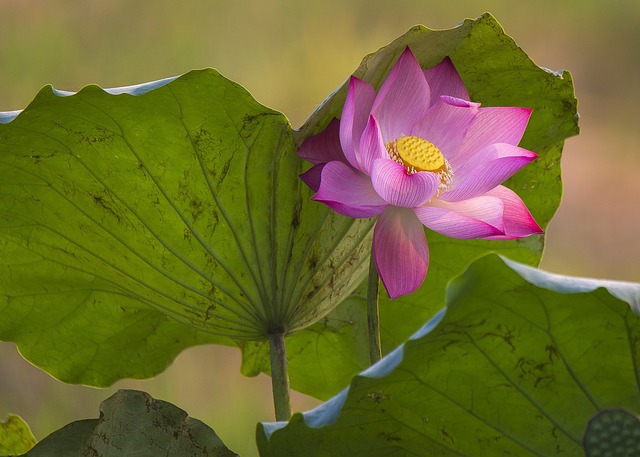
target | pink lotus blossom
[{"x": 419, "y": 153}]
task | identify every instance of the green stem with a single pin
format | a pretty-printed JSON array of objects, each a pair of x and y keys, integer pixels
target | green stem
[
  {"x": 280, "y": 377},
  {"x": 373, "y": 315}
]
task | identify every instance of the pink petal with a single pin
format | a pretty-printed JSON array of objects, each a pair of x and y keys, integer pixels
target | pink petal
[
  {"x": 323, "y": 147},
  {"x": 444, "y": 79},
  {"x": 348, "y": 191},
  {"x": 313, "y": 176},
  {"x": 485, "y": 170},
  {"x": 495, "y": 125},
  {"x": 518, "y": 221},
  {"x": 400, "y": 251},
  {"x": 371, "y": 145},
  {"x": 446, "y": 124},
  {"x": 399, "y": 188},
  {"x": 403, "y": 98},
  {"x": 355, "y": 115},
  {"x": 478, "y": 217}
]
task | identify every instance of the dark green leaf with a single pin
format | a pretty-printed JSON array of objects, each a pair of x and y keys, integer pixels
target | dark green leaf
[
  {"x": 517, "y": 364},
  {"x": 69, "y": 441},
  {"x": 132, "y": 423}
]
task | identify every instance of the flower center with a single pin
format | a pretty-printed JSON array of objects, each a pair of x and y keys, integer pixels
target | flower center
[{"x": 417, "y": 154}]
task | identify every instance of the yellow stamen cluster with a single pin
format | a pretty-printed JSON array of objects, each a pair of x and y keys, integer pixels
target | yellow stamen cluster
[{"x": 417, "y": 154}]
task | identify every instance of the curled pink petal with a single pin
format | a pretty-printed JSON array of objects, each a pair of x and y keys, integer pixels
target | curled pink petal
[
  {"x": 323, "y": 147},
  {"x": 478, "y": 217},
  {"x": 485, "y": 170},
  {"x": 518, "y": 221},
  {"x": 399, "y": 188},
  {"x": 446, "y": 124},
  {"x": 371, "y": 145},
  {"x": 313, "y": 176},
  {"x": 400, "y": 251},
  {"x": 355, "y": 115},
  {"x": 403, "y": 98},
  {"x": 348, "y": 191},
  {"x": 444, "y": 79},
  {"x": 492, "y": 125}
]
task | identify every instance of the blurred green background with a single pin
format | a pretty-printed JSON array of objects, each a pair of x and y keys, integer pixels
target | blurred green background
[{"x": 291, "y": 55}]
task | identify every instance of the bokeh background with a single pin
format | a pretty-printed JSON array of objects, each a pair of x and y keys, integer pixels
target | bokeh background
[{"x": 291, "y": 54}]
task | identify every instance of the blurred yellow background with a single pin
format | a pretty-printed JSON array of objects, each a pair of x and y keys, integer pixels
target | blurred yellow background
[{"x": 291, "y": 54}]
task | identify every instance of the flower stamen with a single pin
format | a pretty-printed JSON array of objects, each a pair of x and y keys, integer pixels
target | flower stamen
[{"x": 417, "y": 154}]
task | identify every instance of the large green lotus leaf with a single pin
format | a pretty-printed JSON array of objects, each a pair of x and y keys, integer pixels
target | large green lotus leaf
[
  {"x": 132, "y": 423},
  {"x": 496, "y": 73},
  {"x": 139, "y": 221},
  {"x": 516, "y": 364}
]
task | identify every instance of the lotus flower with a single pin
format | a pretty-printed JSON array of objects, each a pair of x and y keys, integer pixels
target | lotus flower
[{"x": 419, "y": 153}]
